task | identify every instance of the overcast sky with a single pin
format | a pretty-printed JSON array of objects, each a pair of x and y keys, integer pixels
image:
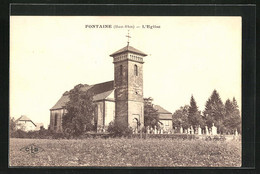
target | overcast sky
[{"x": 186, "y": 56}]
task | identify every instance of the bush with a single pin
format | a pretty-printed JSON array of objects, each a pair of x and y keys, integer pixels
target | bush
[
  {"x": 41, "y": 134},
  {"x": 118, "y": 130},
  {"x": 58, "y": 136},
  {"x": 19, "y": 134},
  {"x": 33, "y": 134}
]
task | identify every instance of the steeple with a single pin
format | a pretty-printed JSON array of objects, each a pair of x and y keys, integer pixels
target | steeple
[{"x": 128, "y": 83}]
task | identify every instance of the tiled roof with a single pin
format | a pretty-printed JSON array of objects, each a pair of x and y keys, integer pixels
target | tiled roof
[
  {"x": 100, "y": 91},
  {"x": 102, "y": 96},
  {"x": 128, "y": 49},
  {"x": 23, "y": 118},
  {"x": 163, "y": 113},
  {"x": 102, "y": 87},
  {"x": 161, "y": 110},
  {"x": 61, "y": 102}
]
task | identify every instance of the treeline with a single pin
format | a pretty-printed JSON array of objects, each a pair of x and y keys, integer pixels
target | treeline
[{"x": 225, "y": 116}]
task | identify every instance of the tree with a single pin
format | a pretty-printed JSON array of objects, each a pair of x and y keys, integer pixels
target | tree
[
  {"x": 151, "y": 115},
  {"x": 236, "y": 115},
  {"x": 79, "y": 112},
  {"x": 12, "y": 126},
  {"x": 194, "y": 117},
  {"x": 232, "y": 119},
  {"x": 214, "y": 111},
  {"x": 228, "y": 107},
  {"x": 180, "y": 117}
]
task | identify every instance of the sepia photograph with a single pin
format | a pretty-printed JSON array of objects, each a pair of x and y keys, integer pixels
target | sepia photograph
[{"x": 125, "y": 91}]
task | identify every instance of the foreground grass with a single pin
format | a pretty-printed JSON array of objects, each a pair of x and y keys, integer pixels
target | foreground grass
[{"x": 127, "y": 152}]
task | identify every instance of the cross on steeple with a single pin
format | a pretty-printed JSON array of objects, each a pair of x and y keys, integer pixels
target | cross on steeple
[{"x": 128, "y": 38}]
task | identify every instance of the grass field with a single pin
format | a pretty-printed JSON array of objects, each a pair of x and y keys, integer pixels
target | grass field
[{"x": 127, "y": 152}]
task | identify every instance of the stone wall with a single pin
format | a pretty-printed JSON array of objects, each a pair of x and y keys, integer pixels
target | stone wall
[
  {"x": 135, "y": 94},
  {"x": 59, "y": 113},
  {"x": 135, "y": 82},
  {"x": 100, "y": 114},
  {"x": 121, "y": 92},
  {"x": 135, "y": 111},
  {"x": 129, "y": 92},
  {"x": 109, "y": 112},
  {"x": 122, "y": 112}
]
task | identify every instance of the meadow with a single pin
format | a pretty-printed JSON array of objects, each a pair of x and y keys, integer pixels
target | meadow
[{"x": 123, "y": 152}]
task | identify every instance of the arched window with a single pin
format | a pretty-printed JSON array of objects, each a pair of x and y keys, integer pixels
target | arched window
[
  {"x": 121, "y": 69},
  {"x": 136, "y": 70}
]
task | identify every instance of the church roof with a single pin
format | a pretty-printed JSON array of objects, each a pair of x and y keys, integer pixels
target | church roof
[
  {"x": 61, "y": 102},
  {"x": 102, "y": 96},
  {"x": 102, "y": 87},
  {"x": 129, "y": 49},
  {"x": 101, "y": 91}
]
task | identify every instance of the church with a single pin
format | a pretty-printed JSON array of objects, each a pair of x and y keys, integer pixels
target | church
[{"x": 120, "y": 99}]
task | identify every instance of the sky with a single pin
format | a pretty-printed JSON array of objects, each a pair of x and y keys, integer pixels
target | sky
[{"x": 186, "y": 56}]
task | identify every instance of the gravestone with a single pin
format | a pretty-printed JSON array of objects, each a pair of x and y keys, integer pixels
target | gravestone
[
  {"x": 199, "y": 130},
  {"x": 188, "y": 130},
  {"x": 213, "y": 130},
  {"x": 181, "y": 130},
  {"x": 236, "y": 133},
  {"x": 155, "y": 130},
  {"x": 191, "y": 130},
  {"x": 206, "y": 129},
  {"x": 147, "y": 129},
  {"x": 161, "y": 131}
]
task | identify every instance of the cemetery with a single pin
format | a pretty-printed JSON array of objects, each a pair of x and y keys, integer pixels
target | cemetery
[
  {"x": 189, "y": 133},
  {"x": 176, "y": 133}
]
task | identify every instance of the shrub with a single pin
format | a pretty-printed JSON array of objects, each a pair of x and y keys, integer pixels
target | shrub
[
  {"x": 45, "y": 134},
  {"x": 118, "y": 130},
  {"x": 58, "y": 136},
  {"x": 19, "y": 134},
  {"x": 41, "y": 134},
  {"x": 33, "y": 134}
]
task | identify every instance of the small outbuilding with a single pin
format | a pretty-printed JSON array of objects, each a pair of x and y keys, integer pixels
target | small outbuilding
[
  {"x": 165, "y": 117},
  {"x": 26, "y": 124}
]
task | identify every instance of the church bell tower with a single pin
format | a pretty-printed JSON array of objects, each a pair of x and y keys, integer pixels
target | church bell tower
[{"x": 128, "y": 82}]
